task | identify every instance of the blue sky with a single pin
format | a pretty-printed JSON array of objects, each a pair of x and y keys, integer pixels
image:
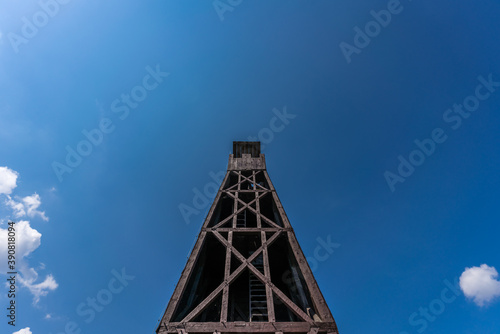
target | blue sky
[{"x": 163, "y": 88}]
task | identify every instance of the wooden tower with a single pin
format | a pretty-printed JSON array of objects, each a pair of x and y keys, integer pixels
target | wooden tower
[{"x": 246, "y": 272}]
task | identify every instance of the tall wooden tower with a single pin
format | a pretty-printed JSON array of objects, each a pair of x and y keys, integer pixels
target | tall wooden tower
[{"x": 246, "y": 272}]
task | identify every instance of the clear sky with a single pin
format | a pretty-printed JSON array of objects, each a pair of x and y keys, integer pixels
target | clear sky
[{"x": 380, "y": 122}]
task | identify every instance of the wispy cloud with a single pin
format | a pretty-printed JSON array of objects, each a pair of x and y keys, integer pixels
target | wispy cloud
[
  {"x": 27, "y": 206},
  {"x": 39, "y": 289},
  {"x": 480, "y": 284}
]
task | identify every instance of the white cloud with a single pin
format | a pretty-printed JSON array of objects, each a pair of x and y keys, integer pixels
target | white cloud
[
  {"x": 17, "y": 207},
  {"x": 480, "y": 284},
  {"x": 39, "y": 289},
  {"x": 27, "y": 241},
  {"x": 27, "y": 206},
  {"x": 31, "y": 204},
  {"x": 24, "y": 331},
  {"x": 8, "y": 180}
]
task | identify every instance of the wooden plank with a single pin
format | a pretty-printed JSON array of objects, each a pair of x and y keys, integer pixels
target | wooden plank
[
  {"x": 267, "y": 273},
  {"x": 313, "y": 330},
  {"x": 249, "y": 191},
  {"x": 247, "y": 229},
  {"x": 257, "y": 207},
  {"x": 225, "y": 292},
  {"x": 252, "y": 327}
]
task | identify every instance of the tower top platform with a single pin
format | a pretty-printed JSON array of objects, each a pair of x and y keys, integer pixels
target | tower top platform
[{"x": 246, "y": 156}]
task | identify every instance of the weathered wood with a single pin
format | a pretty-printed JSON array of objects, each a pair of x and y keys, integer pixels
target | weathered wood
[
  {"x": 309, "y": 323},
  {"x": 248, "y": 229},
  {"x": 225, "y": 292},
  {"x": 313, "y": 330},
  {"x": 250, "y": 327},
  {"x": 267, "y": 273},
  {"x": 246, "y": 162}
]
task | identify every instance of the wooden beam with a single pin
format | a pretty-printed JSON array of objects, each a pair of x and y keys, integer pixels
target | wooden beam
[
  {"x": 247, "y": 229},
  {"x": 267, "y": 273},
  {"x": 225, "y": 292},
  {"x": 252, "y": 327}
]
